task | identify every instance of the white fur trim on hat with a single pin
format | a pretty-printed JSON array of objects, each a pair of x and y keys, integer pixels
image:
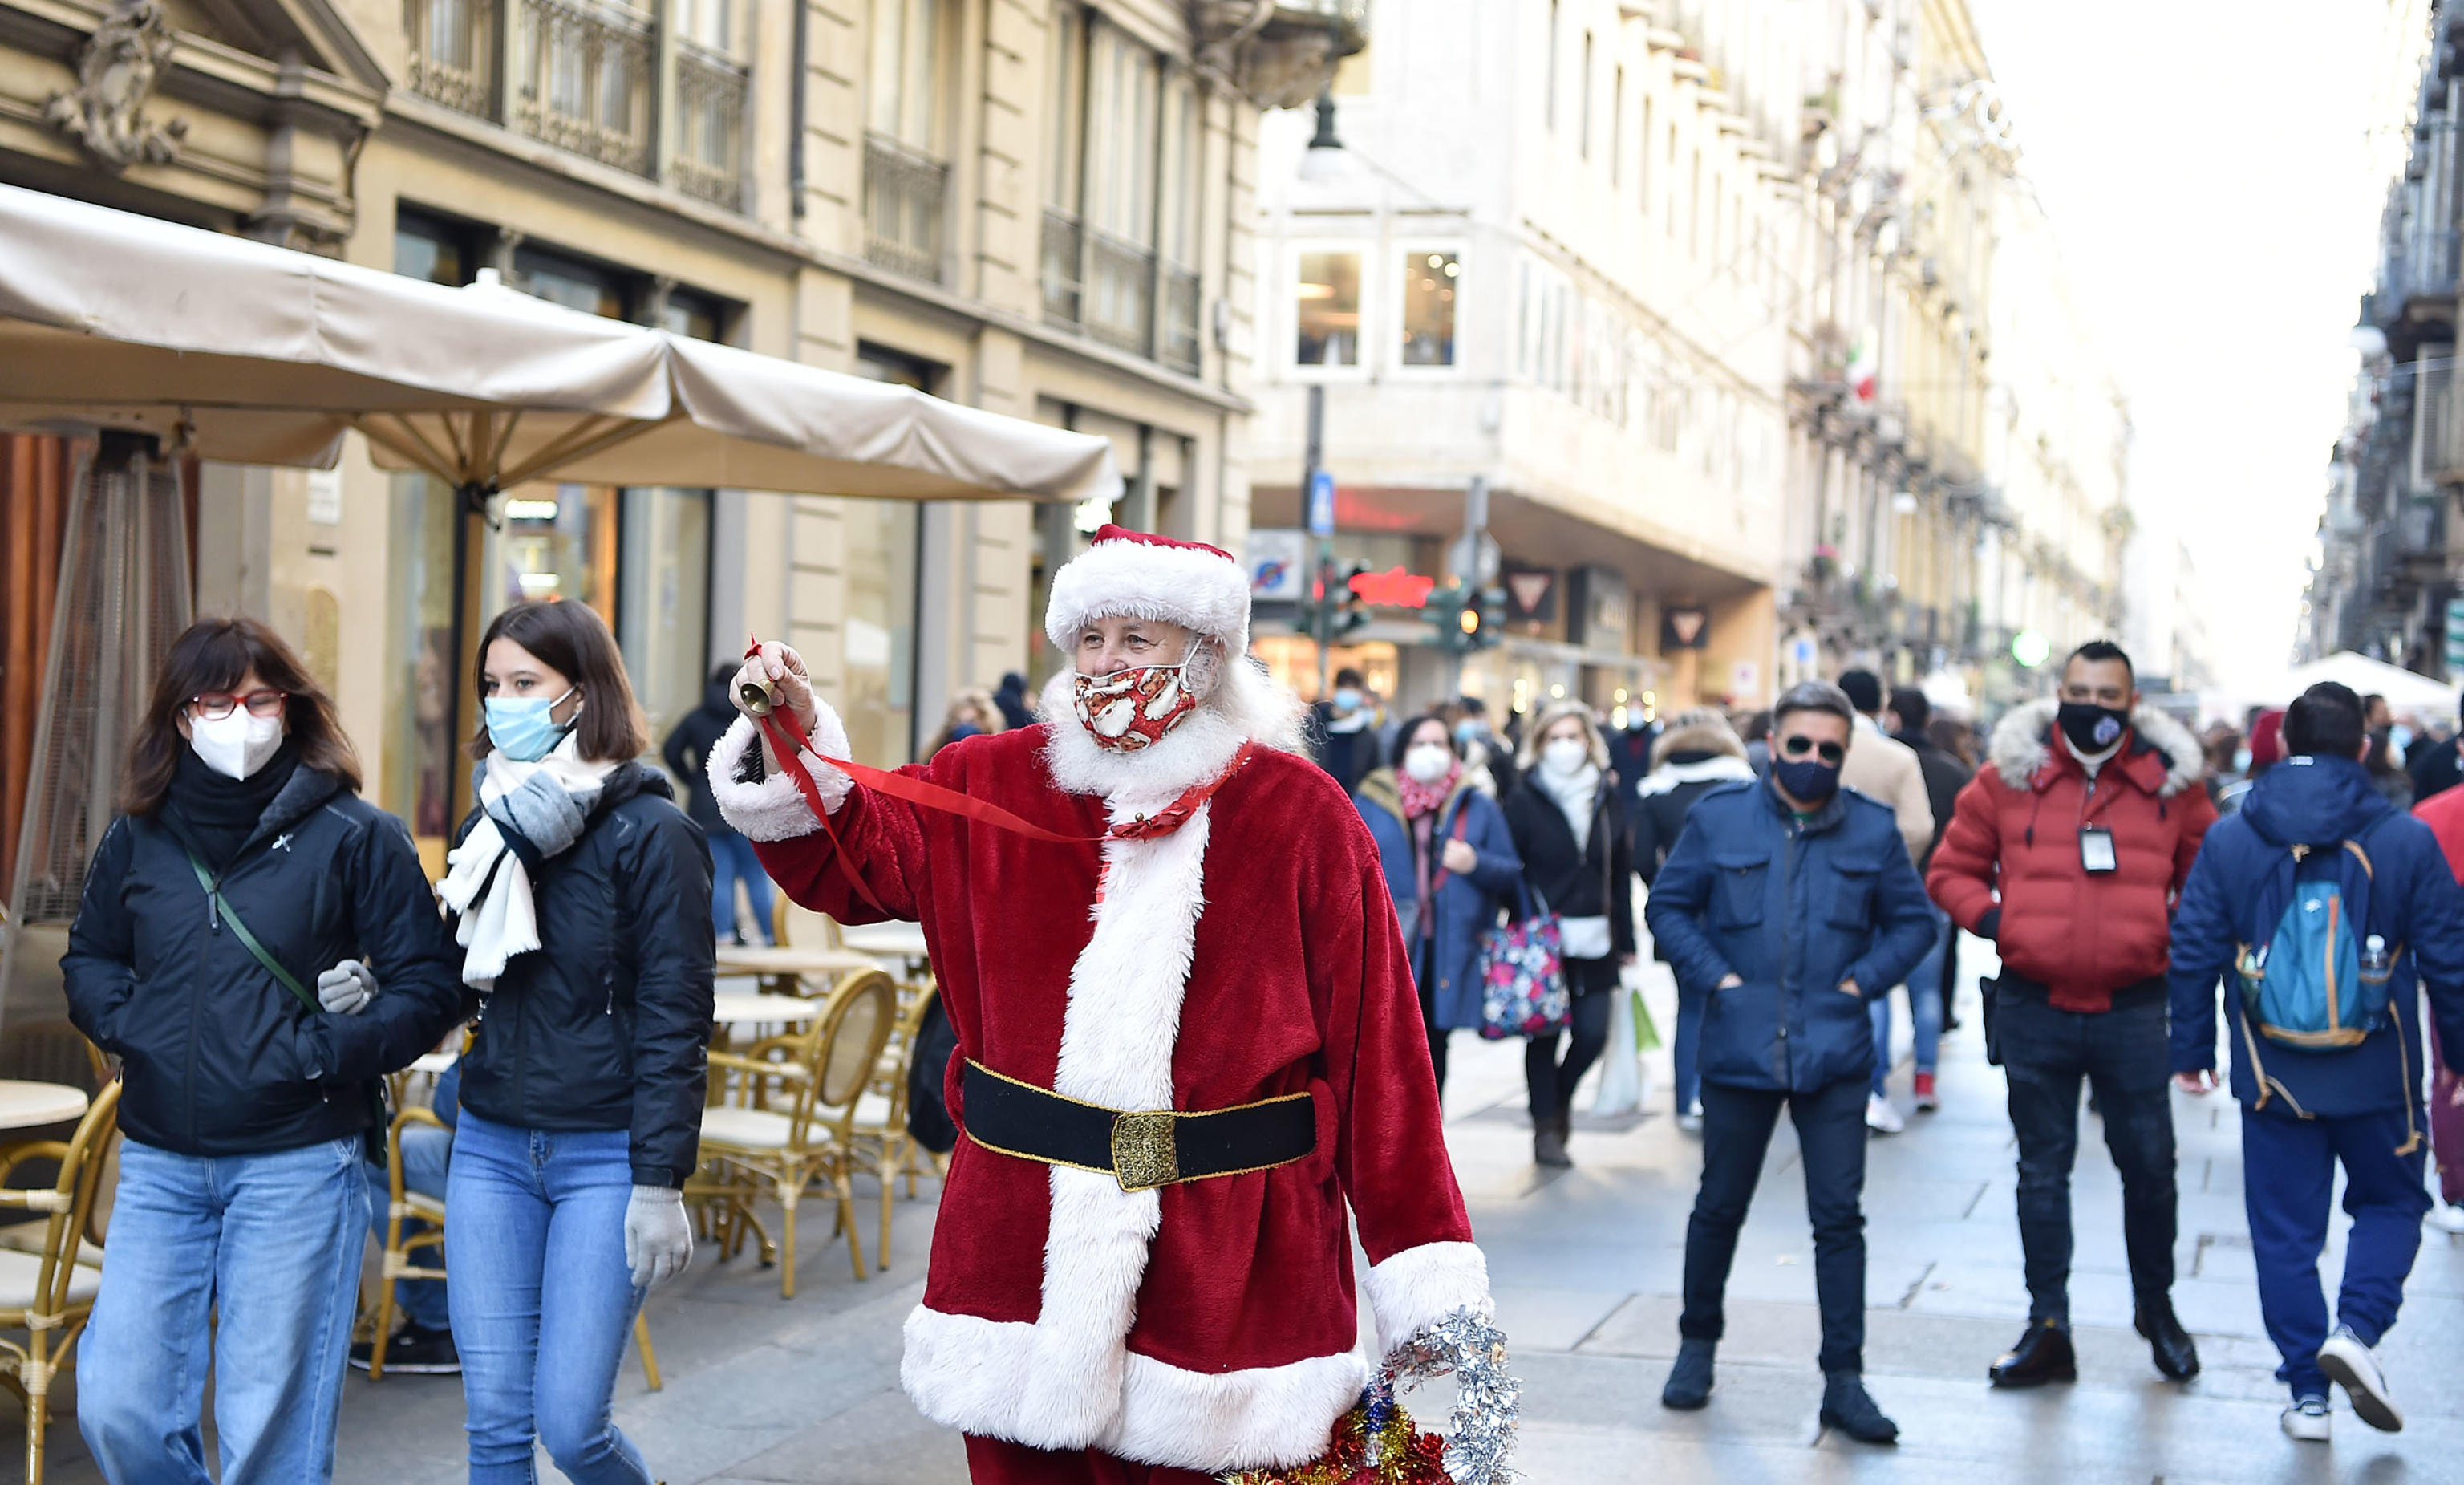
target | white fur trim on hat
[{"x": 1121, "y": 577}]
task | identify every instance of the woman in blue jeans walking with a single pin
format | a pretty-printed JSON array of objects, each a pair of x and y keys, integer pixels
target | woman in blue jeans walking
[
  {"x": 579, "y": 895},
  {"x": 235, "y": 922}
]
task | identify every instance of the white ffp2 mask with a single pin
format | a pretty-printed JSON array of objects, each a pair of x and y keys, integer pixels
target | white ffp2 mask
[{"x": 237, "y": 746}]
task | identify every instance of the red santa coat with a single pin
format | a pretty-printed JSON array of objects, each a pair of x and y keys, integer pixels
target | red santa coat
[{"x": 1251, "y": 954}]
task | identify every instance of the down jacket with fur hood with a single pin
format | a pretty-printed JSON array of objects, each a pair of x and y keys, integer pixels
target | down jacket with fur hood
[{"x": 2010, "y": 866}]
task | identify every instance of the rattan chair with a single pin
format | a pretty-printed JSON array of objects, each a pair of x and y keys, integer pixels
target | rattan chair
[
  {"x": 880, "y": 1129},
  {"x": 403, "y": 1205},
  {"x": 47, "y": 1287},
  {"x": 787, "y": 1120}
]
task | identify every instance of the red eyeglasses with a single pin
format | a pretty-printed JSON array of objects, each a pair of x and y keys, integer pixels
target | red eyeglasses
[{"x": 215, "y": 705}]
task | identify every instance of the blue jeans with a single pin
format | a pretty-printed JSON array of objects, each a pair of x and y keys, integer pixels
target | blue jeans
[
  {"x": 426, "y": 1154},
  {"x": 273, "y": 1242},
  {"x": 1687, "y": 1051},
  {"x": 1924, "y": 1008},
  {"x": 730, "y": 856},
  {"x": 2288, "y": 1176},
  {"x": 542, "y": 1301}
]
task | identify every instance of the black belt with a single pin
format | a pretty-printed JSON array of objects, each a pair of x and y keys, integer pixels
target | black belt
[{"x": 1141, "y": 1150}]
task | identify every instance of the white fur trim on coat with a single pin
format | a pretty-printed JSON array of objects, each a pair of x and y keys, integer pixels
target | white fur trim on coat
[
  {"x": 1069, "y": 1383},
  {"x": 775, "y": 809},
  {"x": 959, "y": 1366},
  {"x": 1178, "y": 584},
  {"x": 1420, "y": 1286},
  {"x": 2019, "y": 745}
]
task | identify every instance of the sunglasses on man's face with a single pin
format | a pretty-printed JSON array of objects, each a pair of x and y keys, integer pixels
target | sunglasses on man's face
[{"x": 1798, "y": 746}]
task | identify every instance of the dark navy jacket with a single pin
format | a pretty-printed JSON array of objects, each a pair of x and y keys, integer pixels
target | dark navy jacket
[
  {"x": 2242, "y": 875},
  {"x": 1794, "y": 912}
]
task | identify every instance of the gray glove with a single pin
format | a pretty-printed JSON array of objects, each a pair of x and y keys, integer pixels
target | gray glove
[
  {"x": 658, "y": 1241},
  {"x": 346, "y": 988}
]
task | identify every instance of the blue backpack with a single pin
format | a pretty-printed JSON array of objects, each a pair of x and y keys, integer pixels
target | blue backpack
[{"x": 2320, "y": 982}]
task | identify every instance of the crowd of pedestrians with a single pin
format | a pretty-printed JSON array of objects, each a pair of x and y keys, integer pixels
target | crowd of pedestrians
[{"x": 1802, "y": 866}]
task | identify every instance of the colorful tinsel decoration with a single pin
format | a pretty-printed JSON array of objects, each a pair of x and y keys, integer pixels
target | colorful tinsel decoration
[{"x": 1378, "y": 1444}]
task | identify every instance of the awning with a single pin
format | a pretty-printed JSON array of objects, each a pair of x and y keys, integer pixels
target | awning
[{"x": 255, "y": 354}]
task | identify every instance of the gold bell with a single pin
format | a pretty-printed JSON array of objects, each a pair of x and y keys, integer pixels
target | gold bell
[{"x": 759, "y": 698}]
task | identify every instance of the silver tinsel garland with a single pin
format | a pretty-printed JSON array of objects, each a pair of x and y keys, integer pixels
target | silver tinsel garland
[{"x": 1468, "y": 1344}]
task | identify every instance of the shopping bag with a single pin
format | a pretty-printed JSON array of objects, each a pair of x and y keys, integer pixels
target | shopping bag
[
  {"x": 1522, "y": 969},
  {"x": 1622, "y": 1070}
]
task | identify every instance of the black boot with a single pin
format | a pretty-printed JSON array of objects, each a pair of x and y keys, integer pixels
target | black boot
[
  {"x": 1547, "y": 1145},
  {"x": 1689, "y": 1381},
  {"x": 2166, "y": 1341},
  {"x": 1566, "y": 1133},
  {"x": 1846, "y": 1406},
  {"x": 2042, "y": 1355}
]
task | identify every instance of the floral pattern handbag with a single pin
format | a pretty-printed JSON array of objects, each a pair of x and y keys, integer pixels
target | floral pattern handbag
[{"x": 1522, "y": 975}]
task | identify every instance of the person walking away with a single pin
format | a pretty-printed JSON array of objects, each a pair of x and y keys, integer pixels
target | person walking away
[
  {"x": 1343, "y": 730},
  {"x": 1888, "y": 771},
  {"x": 2445, "y": 817},
  {"x": 257, "y": 946},
  {"x": 1698, "y": 753},
  {"x": 1930, "y": 987},
  {"x": 1569, "y": 826},
  {"x": 577, "y": 891},
  {"x": 1210, "y": 937},
  {"x": 1629, "y": 749},
  {"x": 686, "y": 750},
  {"x": 423, "y": 1343},
  {"x": 1789, "y": 900},
  {"x": 2328, "y": 914},
  {"x": 1011, "y": 697},
  {"x": 1449, "y": 862},
  {"x": 2084, "y": 820}
]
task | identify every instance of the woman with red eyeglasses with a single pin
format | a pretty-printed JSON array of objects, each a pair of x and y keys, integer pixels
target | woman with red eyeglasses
[{"x": 258, "y": 946}]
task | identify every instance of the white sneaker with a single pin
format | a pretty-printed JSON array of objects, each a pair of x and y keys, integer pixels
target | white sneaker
[
  {"x": 2350, "y": 1366},
  {"x": 2308, "y": 1420},
  {"x": 1882, "y": 1119},
  {"x": 1691, "y": 1121},
  {"x": 2447, "y": 1219}
]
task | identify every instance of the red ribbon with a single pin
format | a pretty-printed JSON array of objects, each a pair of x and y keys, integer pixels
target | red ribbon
[{"x": 788, "y": 741}]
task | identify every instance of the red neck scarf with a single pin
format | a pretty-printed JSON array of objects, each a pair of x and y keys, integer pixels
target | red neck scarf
[{"x": 1418, "y": 798}]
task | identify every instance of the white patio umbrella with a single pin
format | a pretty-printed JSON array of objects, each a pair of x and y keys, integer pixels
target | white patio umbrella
[
  {"x": 255, "y": 354},
  {"x": 2406, "y": 691}
]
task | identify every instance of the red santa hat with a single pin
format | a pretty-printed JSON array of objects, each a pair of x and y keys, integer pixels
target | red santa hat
[{"x": 1139, "y": 575}]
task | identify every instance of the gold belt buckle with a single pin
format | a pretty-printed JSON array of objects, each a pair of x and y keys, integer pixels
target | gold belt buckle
[{"x": 1143, "y": 1153}]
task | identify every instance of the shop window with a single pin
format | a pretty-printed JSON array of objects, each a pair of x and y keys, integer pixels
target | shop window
[
  {"x": 417, "y": 772},
  {"x": 1326, "y": 301},
  {"x": 663, "y": 604},
  {"x": 557, "y": 544},
  {"x": 1430, "y": 281}
]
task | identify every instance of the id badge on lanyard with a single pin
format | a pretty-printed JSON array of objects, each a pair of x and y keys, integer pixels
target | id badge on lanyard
[{"x": 2095, "y": 851}]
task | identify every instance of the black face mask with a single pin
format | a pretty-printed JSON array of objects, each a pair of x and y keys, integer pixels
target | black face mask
[
  {"x": 1809, "y": 781},
  {"x": 2090, "y": 727}
]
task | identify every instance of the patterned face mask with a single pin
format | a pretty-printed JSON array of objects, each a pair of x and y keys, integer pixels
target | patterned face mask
[{"x": 1135, "y": 708}]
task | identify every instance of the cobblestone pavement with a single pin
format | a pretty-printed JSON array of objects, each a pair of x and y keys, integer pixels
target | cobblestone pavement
[{"x": 1586, "y": 1268}]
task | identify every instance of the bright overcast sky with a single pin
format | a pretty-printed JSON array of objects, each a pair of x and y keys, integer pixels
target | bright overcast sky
[{"x": 2211, "y": 169}]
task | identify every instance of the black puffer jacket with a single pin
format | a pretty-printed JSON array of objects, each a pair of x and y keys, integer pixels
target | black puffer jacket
[
  {"x": 219, "y": 1057},
  {"x": 1596, "y": 880},
  {"x": 608, "y": 1025}
]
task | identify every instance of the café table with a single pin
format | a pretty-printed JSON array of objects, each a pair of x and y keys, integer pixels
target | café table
[
  {"x": 30, "y": 1105},
  {"x": 887, "y": 941}
]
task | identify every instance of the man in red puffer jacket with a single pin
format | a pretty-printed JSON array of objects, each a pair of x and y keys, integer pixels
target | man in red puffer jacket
[{"x": 2069, "y": 850}]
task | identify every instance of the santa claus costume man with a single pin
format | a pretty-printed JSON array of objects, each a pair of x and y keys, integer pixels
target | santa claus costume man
[{"x": 1188, "y": 1039}]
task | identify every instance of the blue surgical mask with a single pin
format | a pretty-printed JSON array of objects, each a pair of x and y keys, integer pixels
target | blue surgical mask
[
  {"x": 520, "y": 727},
  {"x": 1468, "y": 731},
  {"x": 1347, "y": 699}
]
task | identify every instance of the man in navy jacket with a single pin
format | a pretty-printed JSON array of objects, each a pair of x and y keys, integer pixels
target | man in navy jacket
[
  {"x": 1789, "y": 900},
  {"x": 2307, "y": 1108}
]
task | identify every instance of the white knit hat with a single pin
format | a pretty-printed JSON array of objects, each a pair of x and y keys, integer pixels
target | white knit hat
[{"x": 1137, "y": 574}]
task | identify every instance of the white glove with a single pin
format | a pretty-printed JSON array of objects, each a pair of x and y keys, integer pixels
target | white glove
[
  {"x": 346, "y": 988},
  {"x": 658, "y": 1241}
]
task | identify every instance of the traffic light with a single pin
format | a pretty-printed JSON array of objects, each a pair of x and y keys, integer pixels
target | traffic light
[
  {"x": 1484, "y": 619},
  {"x": 1350, "y": 611}
]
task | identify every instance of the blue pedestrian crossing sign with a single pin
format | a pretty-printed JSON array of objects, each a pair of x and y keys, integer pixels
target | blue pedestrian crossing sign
[
  {"x": 2454, "y": 634},
  {"x": 1321, "y": 503}
]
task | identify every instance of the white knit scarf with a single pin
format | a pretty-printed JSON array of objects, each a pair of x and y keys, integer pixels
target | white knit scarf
[{"x": 549, "y": 802}]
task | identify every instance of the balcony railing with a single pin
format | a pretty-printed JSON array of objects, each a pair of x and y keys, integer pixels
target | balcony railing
[
  {"x": 454, "y": 53},
  {"x": 1065, "y": 246},
  {"x": 584, "y": 80},
  {"x": 1120, "y": 284},
  {"x": 709, "y": 160},
  {"x": 904, "y": 191}
]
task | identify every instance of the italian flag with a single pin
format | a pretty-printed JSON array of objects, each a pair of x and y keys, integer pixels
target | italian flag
[{"x": 1861, "y": 367}]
